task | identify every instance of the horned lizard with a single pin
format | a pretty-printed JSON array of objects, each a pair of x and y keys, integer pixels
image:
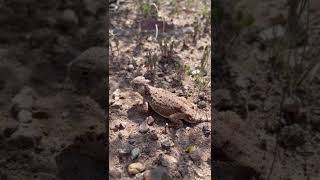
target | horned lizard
[{"x": 168, "y": 104}]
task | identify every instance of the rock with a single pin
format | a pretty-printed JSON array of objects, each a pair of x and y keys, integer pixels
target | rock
[
  {"x": 143, "y": 128},
  {"x": 292, "y": 104},
  {"x": 135, "y": 153},
  {"x": 25, "y": 137},
  {"x": 271, "y": 33},
  {"x": 158, "y": 173},
  {"x": 23, "y": 100},
  {"x": 92, "y": 6},
  {"x": 272, "y": 125},
  {"x": 131, "y": 141},
  {"x": 292, "y": 136},
  {"x": 10, "y": 128},
  {"x": 150, "y": 120},
  {"x": 65, "y": 114},
  {"x": 153, "y": 135},
  {"x": 202, "y": 104},
  {"x": 202, "y": 96},
  {"x": 130, "y": 67},
  {"x": 125, "y": 150},
  {"x": 206, "y": 131},
  {"x": 69, "y": 17},
  {"x": 25, "y": 116},
  {"x": 196, "y": 155},
  {"x": 118, "y": 126},
  {"x": 45, "y": 176},
  {"x": 166, "y": 143},
  {"x": 88, "y": 74},
  {"x": 168, "y": 161},
  {"x": 116, "y": 93},
  {"x": 179, "y": 92},
  {"x": 115, "y": 172},
  {"x": 139, "y": 176},
  {"x": 242, "y": 82},
  {"x": 168, "y": 79},
  {"x": 222, "y": 98},
  {"x": 147, "y": 149},
  {"x": 136, "y": 168},
  {"x": 188, "y": 30}
]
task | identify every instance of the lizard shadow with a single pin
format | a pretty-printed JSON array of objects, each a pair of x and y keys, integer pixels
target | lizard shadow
[{"x": 136, "y": 115}]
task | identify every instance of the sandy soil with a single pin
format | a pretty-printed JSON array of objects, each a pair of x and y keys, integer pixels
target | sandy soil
[
  {"x": 49, "y": 130},
  {"x": 261, "y": 128},
  {"x": 141, "y": 144}
]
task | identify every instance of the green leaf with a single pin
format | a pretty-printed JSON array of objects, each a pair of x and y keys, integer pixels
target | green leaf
[{"x": 246, "y": 21}]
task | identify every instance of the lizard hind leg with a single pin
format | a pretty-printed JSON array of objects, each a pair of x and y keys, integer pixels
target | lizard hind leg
[{"x": 177, "y": 118}]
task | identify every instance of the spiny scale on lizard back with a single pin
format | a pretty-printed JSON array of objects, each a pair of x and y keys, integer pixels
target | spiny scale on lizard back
[{"x": 166, "y": 103}]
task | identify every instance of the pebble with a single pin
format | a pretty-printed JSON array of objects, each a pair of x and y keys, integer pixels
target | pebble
[
  {"x": 150, "y": 120},
  {"x": 147, "y": 149},
  {"x": 25, "y": 116},
  {"x": 125, "y": 150},
  {"x": 65, "y": 114},
  {"x": 202, "y": 104},
  {"x": 242, "y": 82},
  {"x": 202, "y": 95},
  {"x": 179, "y": 92},
  {"x": 158, "y": 173},
  {"x": 70, "y": 17},
  {"x": 166, "y": 144},
  {"x": 167, "y": 160},
  {"x": 272, "y": 33},
  {"x": 143, "y": 128},
  {"x": 292, "y": 136},
  {"x": 10, "y": 128},
  {"x": 139, "y": 176},
  {"x": 92, "y": 6},
  {"x": 135, "y": 153},
  {"x": 115, "y": 172},
  {"x": 131, "y": 141},
  {"x": 292, "y": 104},
  {"x": 168, "y": 79},
  {"x": 196, "y": 155},
  {"x": 118, "y": 126},
  {"x": 23, "y": 100},
  {"x": 206, "y": 130},
  {"x": 272, "y": 125},
  {"x": 25, "y": 137},
  {"x": 116, "y": 93},
  {"x": 153, "y": 135},
  {"x": 130, "y": 67},
  {"x": 136, "y": 168}
]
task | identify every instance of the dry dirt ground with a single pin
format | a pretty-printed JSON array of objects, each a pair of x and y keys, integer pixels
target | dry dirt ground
[
  {"x": 49, "y": 129},
  {"x": 262, "y": 131},
  {"x": 142, "y": 146}
]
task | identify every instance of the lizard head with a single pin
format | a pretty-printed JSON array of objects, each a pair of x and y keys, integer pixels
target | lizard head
[{"x": 139, "y": 83}]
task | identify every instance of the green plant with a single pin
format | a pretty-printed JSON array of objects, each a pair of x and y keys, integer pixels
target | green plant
[
  {"x": 148, "y": 8},
  {"x": 167, "y": 46},
  {"x": 175, "y": 10},
  {"x": 152, "y": 60},
  {"x": 205, "y": 59},
  {"x": 246, "y": 21},
  {"x": 217, "y": 12}
]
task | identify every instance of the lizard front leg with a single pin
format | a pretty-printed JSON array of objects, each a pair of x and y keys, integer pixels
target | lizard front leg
[{"x": 145, "y": 105}]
